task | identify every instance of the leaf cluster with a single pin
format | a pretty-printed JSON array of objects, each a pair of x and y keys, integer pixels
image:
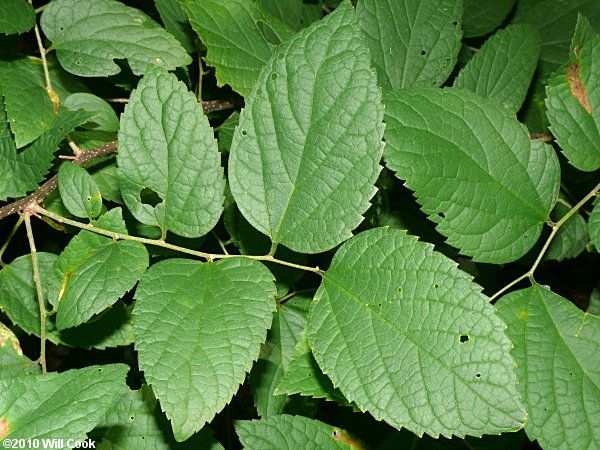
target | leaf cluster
[{"x": 362, "y": 256}]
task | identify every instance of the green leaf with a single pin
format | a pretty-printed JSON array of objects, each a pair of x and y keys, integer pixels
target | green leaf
[
  {"x": 251, "y": 242},
  {"x": 100, "y": 281},
  {"x": 22, "y": 172},
  {"x": 106, "y": 118},
  {"x": 556, "y": 28},
  {"x": 111, "y": 328},
  {"x": 107, "y": 179},
  {"x": 167, "y": 149},
  {"x": 199, "y": 327},
  {"x": 12, "y": 361},
  {"x": 18, "y": 296},
  {"x": 474, "y": 170},
  {"x": 594, "y": 306},
  {"x": 431, "y": 355},
  {"x": 85, "y": 243},
  {"x": 290, "y": 170},
  {"x": 30, "y": 110},
  {"x": 288, "y": 323},
  {"x": 16, "y": 16},
  {"x": 89, "y": 139},
  {"x": 503, "y": 67},
  {"x": 484, "y": 16},
  {"x": 303, "y": 376},
  {"x": 263, "y": 379},
  {"x": 78, "y": 191},
  {"x": 226, "y": 131},
  {"x": 556, "y": 348},
  {"x": 294, "y": 13},
  {"x": 594, "y": 226},
  {"x": 136, "y": 421},
  {"x": 63, "y": 405},
  {"x": 176, "y": 22},
  {"x": 412, "y": 43},
  {"x": 89, "y": 36},
  {"x": 573, "y": 101},
  {"x": 291, "y": 432},
  {"x": 571, "y": 238},
  {"x": 235, "y": 33}
]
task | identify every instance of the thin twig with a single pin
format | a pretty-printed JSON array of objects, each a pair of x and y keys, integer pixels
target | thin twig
[
  {"x": 544, "y": 137},
  {"x": 221, "y": 243},
  {"x": 555, "y": 227},
  {"x": 160, "y": 243},
  {"x": 117, "y": 100},
  {"x": 200, "y": 76},
  {"x": 38, "y": 288},
  {"x": 286, "y": 297},
  {"x": 39, "y": 195},
  {"x": 208, "y": 105},
  {"x": 9, "y": 238},
  {"x": 73, "y": 145},
  {"x": 579, "y": 205},
  {"x": 53, "y": 96},
  {"x": 219, "y": 105}
]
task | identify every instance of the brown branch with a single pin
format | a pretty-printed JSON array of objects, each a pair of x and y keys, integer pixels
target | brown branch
[
  {"x": 45, "y": 189},
  {"x": 219, "y": 105},
  {"x": 87, "y": 155},
  {"x": 544, "y": 137},
  {"x": 208, "y": 105}
]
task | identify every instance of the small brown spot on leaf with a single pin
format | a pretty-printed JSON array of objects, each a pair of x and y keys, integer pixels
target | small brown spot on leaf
[
  {"x": 3, "y": 428},
  {"x": 577, "y": 87},
  {"x": 343, "y": 437}
]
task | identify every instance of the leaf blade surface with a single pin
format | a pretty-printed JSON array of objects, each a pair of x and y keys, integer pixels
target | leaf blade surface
[
  {"x": 42, "y": 406},
  {"x": 286, "y": 431},
  {"x": 412, "y": 43},
  {"x": 167, "y": 148},
  {"x": 291, "y": 170},
  {"x": 89, "y": 36},
  {"x": 573, "y": 101},
  {"x": 100, "y": 281},
  {"x": 16, "y": 16},
  {"x": 473, "y": 168},
  {"x": 556, "y": 349},
  {"x": 79, "y": 191},
  {"x": 237, "y": 44},
  {"x": 410, "y": 338},
  {"x": 199, "y": 327},
  {"x": 503, "y": 67}
]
